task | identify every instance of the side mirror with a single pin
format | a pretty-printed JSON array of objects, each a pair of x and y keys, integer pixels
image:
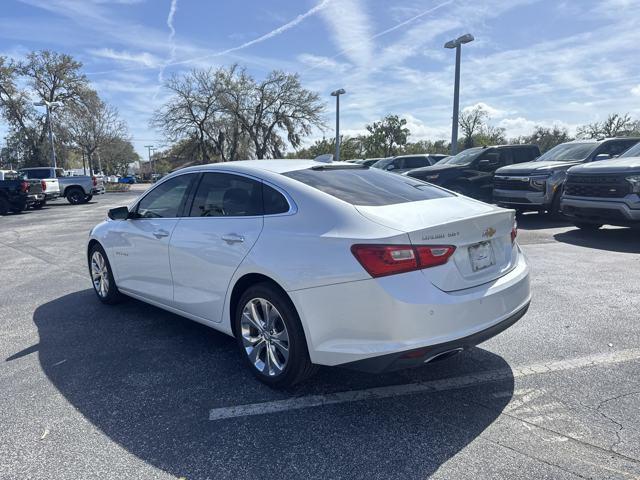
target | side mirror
[
  {"x": 390, "y": 167},
  {"x": 602, "y": 156},
  {"x": 118, "y": 213}
]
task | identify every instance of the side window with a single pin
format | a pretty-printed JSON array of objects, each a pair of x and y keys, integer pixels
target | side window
[
  {"x": 506, "y": 157},
  {"x": 416, "y": 162},
  {"x": 615, "y": 147},
  {"x": 39, "y": 173},
  {"x": 523, "y": 154},
  {"x": 274, "y": 202},
  {"x": 167, "y": 199},
  {"x": 227, "y": 195}
]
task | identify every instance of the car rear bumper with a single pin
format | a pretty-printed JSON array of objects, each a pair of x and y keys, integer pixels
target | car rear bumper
[
  {"x": 602, "y": 211},
  {"x": 391, "y": 316},
  {"x": 52, "y": 196},
  {"x": 35, "y": 198}
]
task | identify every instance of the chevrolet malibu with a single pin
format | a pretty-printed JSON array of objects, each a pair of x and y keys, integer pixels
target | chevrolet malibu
[{"x": 308, "y": 263}]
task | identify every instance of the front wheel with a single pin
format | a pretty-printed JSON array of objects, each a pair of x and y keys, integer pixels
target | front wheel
[
  {"x": 270, "y": 337},
  {"x": 589, "y": 227},
  {"x": 102, "y": 276},
  {"x": 87, "y": 198}
]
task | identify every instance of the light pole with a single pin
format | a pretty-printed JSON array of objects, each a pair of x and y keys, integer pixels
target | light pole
[
  {"x": 457, "y": 44},
  {"x": 149, "y": 148},
  {"x": 337, "y": 93},
  {"x": 48, "y": 106}
]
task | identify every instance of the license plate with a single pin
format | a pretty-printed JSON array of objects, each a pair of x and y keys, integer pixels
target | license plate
[{"x": 481, "y": 255}]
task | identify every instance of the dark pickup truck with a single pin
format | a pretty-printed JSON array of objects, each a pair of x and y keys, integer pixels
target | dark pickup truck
[
  {"x": 18, "y": 193},
  {"x": 471, "y": 171}
]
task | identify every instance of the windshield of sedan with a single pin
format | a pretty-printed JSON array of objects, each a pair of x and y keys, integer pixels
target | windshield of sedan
[
  {"x": 367, "y": 187},
  {"x": 633, "y": 151},
  {"x": 568, "y": 152},
  {"x": 463, "y": 158}
]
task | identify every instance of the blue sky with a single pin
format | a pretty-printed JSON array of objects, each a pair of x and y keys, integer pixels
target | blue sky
[{"x": 533, "y": 62}]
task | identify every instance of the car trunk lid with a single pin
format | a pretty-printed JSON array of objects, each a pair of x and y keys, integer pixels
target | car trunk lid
[{"x": 480, "y": 232}]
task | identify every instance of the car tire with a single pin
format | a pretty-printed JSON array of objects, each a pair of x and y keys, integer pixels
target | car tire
[
  {"x": 275, "y": 351},
  {"x": 4, "y": 206},
  {"x": 75, "y": 196},
  {"x": 588, "y": 227},
  {"x": 87, "y": 198},
  {"x": 39, "y": 205},
  {"x": 101, "y": 274}
]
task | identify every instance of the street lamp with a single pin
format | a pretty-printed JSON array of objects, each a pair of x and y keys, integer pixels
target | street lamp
[
  {"x": 457, "y": 44},
  {"x": 48, "y": 105},
  {"x": 337, "y": 93}
]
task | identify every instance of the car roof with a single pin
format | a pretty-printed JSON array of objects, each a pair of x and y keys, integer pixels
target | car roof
[
  {"x": 274, "y": 166},
  {"x": 600, "y": 140}
]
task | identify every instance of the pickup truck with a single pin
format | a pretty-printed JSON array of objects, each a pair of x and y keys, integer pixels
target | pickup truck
[
  {"x": 538, "y": 185},
  {"x": 471, "y": 172},
  {"x": 604, "y": 193},
  {"x": 17, "y": 193},
  {"x": 76, "y": 189}
]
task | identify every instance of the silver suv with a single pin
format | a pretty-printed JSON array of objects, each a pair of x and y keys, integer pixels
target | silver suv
[{"x": 604, "y": 193}]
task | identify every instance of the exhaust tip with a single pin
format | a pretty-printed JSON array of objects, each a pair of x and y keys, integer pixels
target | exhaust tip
[{"x": 444, "y": 355}]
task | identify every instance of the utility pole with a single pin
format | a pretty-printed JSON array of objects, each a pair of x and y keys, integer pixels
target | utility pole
[{"x": 151, "y": 169}]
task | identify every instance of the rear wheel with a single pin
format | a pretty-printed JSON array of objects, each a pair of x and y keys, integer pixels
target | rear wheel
[
  {"x": 102, "y": 276},
  {"x": 87, "y": 198},
  {"x": 589, "y": 227},
  {"x": 75, "y": 196},
  {"x": 270, "y": 337},
  {"x": 39, "y": 205}
]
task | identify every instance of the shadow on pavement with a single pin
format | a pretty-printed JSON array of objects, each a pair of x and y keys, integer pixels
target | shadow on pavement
[
  {"x": 624, "y": 240},
  {"x": 147, "y": 379},
  {"x": 540, "y": 221}
]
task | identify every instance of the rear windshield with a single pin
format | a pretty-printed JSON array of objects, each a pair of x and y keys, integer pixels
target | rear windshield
[{"x": 368, "y": 187}]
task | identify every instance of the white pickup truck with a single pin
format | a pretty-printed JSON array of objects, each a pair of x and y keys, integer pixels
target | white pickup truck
[{"x": 76, "y": 189}]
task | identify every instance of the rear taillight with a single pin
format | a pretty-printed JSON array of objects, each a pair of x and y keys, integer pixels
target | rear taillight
[
  {"x": 24, "y": 187},
  {"x": 382, "y": 260},
  {"x": 44, "y": 185},
  {"x": 95, "y": 181},
  {"x": 514, "y": 231}
]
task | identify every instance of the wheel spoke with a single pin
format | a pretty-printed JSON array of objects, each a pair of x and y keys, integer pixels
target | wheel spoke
[
  {"x": 254, "y": 354},
  {"x": 249, "y": 318},
  {"x": 255, "y": 315},
  {"x": 276, "y": 365},
  {"x": 267, "y": 310},
  {"x": 282, "y": 348}
]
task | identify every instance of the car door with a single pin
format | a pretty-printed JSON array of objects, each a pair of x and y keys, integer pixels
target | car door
[
  {"x": 224, "y": 222},
  {"x": 139, "y": 246}
]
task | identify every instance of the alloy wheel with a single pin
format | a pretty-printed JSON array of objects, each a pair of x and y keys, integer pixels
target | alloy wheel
[
  {"x": 265, "y": 337},
  {"x": 99, "y": 274}
]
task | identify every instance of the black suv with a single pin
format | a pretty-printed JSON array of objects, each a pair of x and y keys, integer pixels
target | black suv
[{"x": 471, "y": 171}]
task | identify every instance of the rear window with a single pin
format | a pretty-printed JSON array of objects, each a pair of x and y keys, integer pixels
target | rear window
[{"x": 367, "y": 187}]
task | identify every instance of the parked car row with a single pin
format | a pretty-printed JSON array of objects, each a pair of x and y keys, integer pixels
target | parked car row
[
  {"x": 34, "y": 187},
  {"x": 570, "y": 180}
]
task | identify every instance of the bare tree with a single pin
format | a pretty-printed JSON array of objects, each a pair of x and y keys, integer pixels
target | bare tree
[
  {"x": 615, "y": 125},
  {"x": 194, "y": 111},
  {"x": 91, "y": 124},
  {"x": 275, "y": 108},
  {"x": 471, "y": 123}
]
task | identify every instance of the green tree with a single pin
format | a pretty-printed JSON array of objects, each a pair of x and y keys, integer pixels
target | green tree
[{"x": 386, "y": 137}]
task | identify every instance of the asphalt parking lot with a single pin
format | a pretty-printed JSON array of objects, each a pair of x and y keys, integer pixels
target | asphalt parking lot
[{"x": 131, "y": 391}]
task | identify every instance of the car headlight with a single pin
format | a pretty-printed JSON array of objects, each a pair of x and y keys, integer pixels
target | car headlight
[
  {"x": 538, "y": 182},
  {"x": 634, "y": 180}
]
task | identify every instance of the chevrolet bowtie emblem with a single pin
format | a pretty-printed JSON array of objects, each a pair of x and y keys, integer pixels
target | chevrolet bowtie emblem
[{"x": 489, "y": 232}]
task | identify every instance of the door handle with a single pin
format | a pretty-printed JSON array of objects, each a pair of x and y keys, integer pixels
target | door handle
[
  {"x": 160, "y": 234},
  {"x": 233, "y": 238}
]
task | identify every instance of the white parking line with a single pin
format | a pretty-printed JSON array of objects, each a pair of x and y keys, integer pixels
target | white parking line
[{"x": 452, "y": 383}]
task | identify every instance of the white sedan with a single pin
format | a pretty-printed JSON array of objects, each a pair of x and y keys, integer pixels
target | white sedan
[{"x": 308, "y": 263}]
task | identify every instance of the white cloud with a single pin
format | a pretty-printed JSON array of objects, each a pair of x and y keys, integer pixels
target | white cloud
[
  {"x": 636, "y": 90},
  {"x": 323, "y": 63},
  {"x": 142, "y": 58},
  {"x": 493, "y": 112},
  {"x": 351, "y": 28}
]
